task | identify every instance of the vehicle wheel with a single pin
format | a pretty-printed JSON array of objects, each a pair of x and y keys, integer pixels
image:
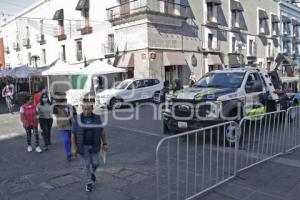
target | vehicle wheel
[
  {"x": 9, "y": 106},
  {"x": 115, "y": 103},
  {"x": 231, "y": 135}
]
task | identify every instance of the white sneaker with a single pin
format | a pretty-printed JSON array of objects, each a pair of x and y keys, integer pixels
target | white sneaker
[
  {"x": 38, "y": 149},
  {"x": 29, "y": 149}
]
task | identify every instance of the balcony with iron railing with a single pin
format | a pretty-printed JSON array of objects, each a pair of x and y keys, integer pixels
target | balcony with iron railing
[
  {"x": 212, "y": 47},
  {"x": 6, "y": 50},
  {"x": 108, "y": 49},
  {"x": 59, "y": 33},
  {"x": 40, "y": 38},
  {"x": 16, "y": 46},
  {"x": 138, "y": 7},
  {"x": 26, "y": 43},
  {"x": 85, "y": 27}
]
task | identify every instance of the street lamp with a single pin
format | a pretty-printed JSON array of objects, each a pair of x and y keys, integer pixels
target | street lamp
[{"x": 35, "y": 58}]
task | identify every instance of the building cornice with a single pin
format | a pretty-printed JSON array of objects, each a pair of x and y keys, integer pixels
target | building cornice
[{"x": 289, "y": 6}]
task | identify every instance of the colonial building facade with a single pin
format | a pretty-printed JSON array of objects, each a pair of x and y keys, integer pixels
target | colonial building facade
[
  {"x": 154, "y": 38},
  {"x": 289, "y": 13},
  {"x": 174, "y": 39},
  {"x": 73, "y": 31}
]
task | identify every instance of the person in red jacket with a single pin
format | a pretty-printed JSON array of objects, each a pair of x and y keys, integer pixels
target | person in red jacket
[
  {"x": 29, "y": 118},
  {"x": 37, "y": 96}
]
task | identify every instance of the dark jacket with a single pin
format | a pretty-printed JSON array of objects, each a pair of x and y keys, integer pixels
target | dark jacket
[{"x": 79, "y": 129}]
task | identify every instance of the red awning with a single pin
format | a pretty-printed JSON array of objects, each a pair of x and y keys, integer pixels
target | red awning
[
  {"x": 214, "y": 59},
  {"x": 126, "y": 60},
  {"x": 173, "y": 58}
]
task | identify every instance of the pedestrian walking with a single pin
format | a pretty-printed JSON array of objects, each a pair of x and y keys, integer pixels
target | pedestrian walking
[
  {"x": 38, "y": 95},
  {"x": 44, "y": 110},
  {"x": 30, "y": 123},
  {"x": 63, "y": 113},
  {"x": 88, "y": 136}
]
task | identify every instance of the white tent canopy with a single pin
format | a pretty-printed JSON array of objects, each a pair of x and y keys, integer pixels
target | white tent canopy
[
  {"x": 100, "y": 67},
  {"x": 62, "y": 68},
  {"x": 38, "y": 71}
]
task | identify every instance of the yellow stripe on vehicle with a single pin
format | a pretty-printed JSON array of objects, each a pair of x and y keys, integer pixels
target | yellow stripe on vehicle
[
  {"x": 256, "y": 111},
  {"x": 201, "y": 94}
]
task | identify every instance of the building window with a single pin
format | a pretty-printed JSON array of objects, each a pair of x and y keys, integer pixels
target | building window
[
  {"x": 78, "y": 50},
  {"x": 295, "y": 30},
  {"x": 210, "y": 41},
  {"x": 285, "y": 47},
  {"x": 111, "y": 42},
  {"x": 235, "y": 19},
  {"x": 263, "y": 22},
  {"x": 233, "y": 45},
  {"x": 170, "y": 7},
  {"x": 270, "y": 52},
  {"x": 274, "y": 28},
  {"x": 84, "y": 7},
  {"x": 44, "y": 56},
  {"x": 41, "y": 27},
  {"x": 29, "y": 58},
  {"x": 286, "y": 28},
  {"x": 261, "y": 26},
  {"x": 63, "y": 53},
  {"x": 125, "y": 7},
  {"x": 210, "y": 12},
  {"x": 251, "y": 48}
]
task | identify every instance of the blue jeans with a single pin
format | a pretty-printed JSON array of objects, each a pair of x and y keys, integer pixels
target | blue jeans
[
  {"x": 66, "y": 136},
  {"x": 90, "y": 162}
]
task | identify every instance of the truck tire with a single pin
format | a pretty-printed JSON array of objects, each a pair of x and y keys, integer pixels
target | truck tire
[
  {"x": 231, "y": 135},
  {"x": 232, "y": 130}
]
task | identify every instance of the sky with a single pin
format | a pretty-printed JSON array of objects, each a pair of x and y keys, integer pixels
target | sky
[{"x": 12, "y": 7}]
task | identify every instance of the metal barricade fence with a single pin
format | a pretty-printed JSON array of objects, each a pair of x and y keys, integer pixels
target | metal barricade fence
[
  {"x": 293, "y": 128},
  {"x": 194, "y": 162},
  {"x": 263, "y": 137}
]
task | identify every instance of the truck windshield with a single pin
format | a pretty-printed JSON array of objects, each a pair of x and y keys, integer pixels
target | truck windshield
[
  {"x": 123, "y": 85},
  {"x": 221, "y": 80}
]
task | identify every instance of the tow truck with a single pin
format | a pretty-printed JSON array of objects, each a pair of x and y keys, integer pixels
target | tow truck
[{"x": 226, "y": 95}]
